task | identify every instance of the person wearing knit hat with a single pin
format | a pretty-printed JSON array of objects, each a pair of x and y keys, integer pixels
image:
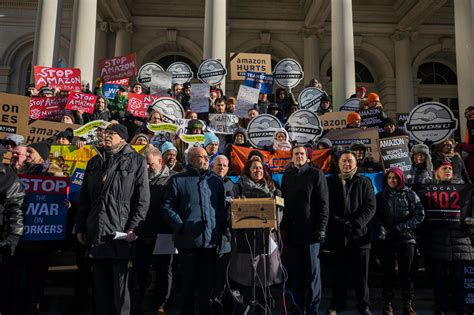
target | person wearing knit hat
[
  {"x": 11, "y": 140},
  {"x": 119, "y": 129},
  {"x": 443, "y": 171},
  {"x": 324, "y": 143},
  {"x": 195, "y": 127},
  {"x": 65, "y": 137},
  {"x": 37, "y": 153},
  {"x": 211, "y": 145},
  {"x": 255, "y": 154},
  {"x": 140, "y": 139},
  {"x": 325, "y": 106},
  {"x": 421, "y": 168},
  {"x": 170, "y": 153},
  {"x": 390, "y": 129},
  {"x": 68, "y": 118},
  {"x": 45, "y": 91},
  {"x": 353, "y": 120},
  {"x": 360, "y": 92}
]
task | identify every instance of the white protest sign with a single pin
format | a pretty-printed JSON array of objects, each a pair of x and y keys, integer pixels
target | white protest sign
[
  {"x": 246, "y": 99},
  {"x": 160, "y": 82},
  {"x": 200, "y": 98},
  {"x": 223, "y": 123}
]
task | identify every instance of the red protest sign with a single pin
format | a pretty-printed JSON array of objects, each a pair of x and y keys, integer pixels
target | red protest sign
[
  {"x": 47, "y": 108},
  {"x": 81, "y": 101},
  {"x": 138, "y": 104},
  {"x": 120, "y": 81},
  {"x": 118, "y": 67},
  {"x": 66, "y": 79}
]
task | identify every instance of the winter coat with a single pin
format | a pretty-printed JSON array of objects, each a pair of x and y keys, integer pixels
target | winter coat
[
  {"x": 469, "y": 160},
  {"x": 306, "y": 197},
  {"x": 12, "y": 196},
  {"x": 105, "y": 115},
  {"x": 154, "y": 222},
  {"x": 419, "y": 175},
  {"x": 459, "y": 169},
  {"x": 115, "y": 197},
  {"x": 194, "y": 206},
  {"x": 355, "y": 205}
]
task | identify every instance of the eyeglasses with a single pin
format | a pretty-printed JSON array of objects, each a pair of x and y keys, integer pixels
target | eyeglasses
[
  {"x": 17, "y": 153},
  {"x": 110, "y": 133}
]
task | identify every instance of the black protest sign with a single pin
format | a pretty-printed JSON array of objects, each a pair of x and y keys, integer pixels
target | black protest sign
[
  {"x": 395, "y": 153},
  {"x": 371, "y": 117},
  {"x": 401, "y": 119},
  {"x": 343, "y": 138}
]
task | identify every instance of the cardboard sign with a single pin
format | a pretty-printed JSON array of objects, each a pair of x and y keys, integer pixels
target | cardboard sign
[
  {"x": 14, "y": 113},
  {"x": 395, "y": 153},
  {"x": 246, "y": 99},
  {"x": 261, "y": 81},
  {"x": 345, "y": 137},
  {"x": 109, "y": 90},
  {"x": 118, "y": 67},
  {"x": 200, "y": 98},
  {"x": 160, "y": 82},
  {"x": 138, "y": 104},
  {"x": 41, "y": 130},
  {"x": 223, "y": 123},
  {"x": 242, "y": 62},
  {"x": 47, "y": 108},
  {"x": 371, "y": 117},
  {"x": 45, "y": 212},
  {"x": 66, "y": 79},
  {"x": 334, "y": 120},
  {"x": 81, "y": 101}
]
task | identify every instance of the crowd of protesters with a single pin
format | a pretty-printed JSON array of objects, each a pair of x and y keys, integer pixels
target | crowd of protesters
[{"x": 172, "y": 189}]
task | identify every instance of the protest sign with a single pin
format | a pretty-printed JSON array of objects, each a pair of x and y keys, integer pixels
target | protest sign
[
  {"x": 401, "y": 119},
  {"x": 169, "y": 108},
  {"x": 145, "y": 73},
  {"x": 261, "y": 129},
  {"x": 334, "y": 120},
  {"x": 81, "y": 101},
  {"x": 395, "y": 153},
  {"x": 345, "y": 137},
  {"x": 288, "y": 73},
  {"x": 310, "y": 98},
  {"x": 350, "y": 105},
  {"x": 200, "y": 98},
  {"x": 180, "y": 72},
  {"x": 42, "y": 130},
  {"x": 304, "y": 126},
  {"x": 160, "y": 82},
  {"x": 118, "y": 67},
  {"x": 223, "y": 123},
  {"x": 123, "y": 82},
  {"x": 468, "y": 281},
  {"x": 247, "y": 97},
  {"x": 261, "y": 81},
  {"x": 87, "y": 132},
  {"x": 138, "y": 104},
  {"x": 192, "y": 139},
  {"x": 163, "y": 127},
  {"x": 211, "y": 72},
  {"x": 14, "y": 114},
  {"x": 371, "y": 117},
  {"x": 75, "y": 186},
  {"x": 162, "y": 132},
  {"x": 109, "y": 90},
  {"x": 242, "y": 62},
  {"x": 45, "y": 213},
  {"x": 66, "y": 79},
  {"x": 70, "y": 158},
  {"x": 47, "y": 108}
]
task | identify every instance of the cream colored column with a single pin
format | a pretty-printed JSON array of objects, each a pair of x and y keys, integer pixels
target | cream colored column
[
  {"x": 48, "y": 32},
  {"x": 464, "y": 28},
  {"x": 215, "y": 18},
  {"x": 342, "y": 51},
  {"x": 82, "y": 48},
  {"x": 311, "y": 57},
  {"x": 123, "y": 38},
  {"x": 403, "y": 72},
  {"x": 100, "y": 45}
]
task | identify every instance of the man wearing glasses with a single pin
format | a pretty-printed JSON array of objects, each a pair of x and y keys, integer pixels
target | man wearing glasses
[
  {"x": 195, "y": 209},
  {"x": 113, "y": 202}
]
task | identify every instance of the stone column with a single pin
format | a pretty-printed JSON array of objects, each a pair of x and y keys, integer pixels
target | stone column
[
  {"x": 311, "y": 56},
  {"x": 100, "y": 45},
  {"x": 215, "y": 18},
  {"x": 123, "y": 38},
  {"x": 342, "y": 51},
  {"x": 48, "y": 32},
  {"x": 463, "y": 26},
  {"x": 403, "y": 72},
  {"x": 81, "y": 54}
]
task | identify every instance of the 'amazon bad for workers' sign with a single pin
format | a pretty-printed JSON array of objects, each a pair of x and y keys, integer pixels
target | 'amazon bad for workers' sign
[
  {"x": 45, "y": 213},
  {"x": 118, "y": 67},
  {"x": 395, "y": 153},
  {"x": 241, "y": 62},
  {"x": 13, "y": 114},
  {"x": 66, "y": 79}
]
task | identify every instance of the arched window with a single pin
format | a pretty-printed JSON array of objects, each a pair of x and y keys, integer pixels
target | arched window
[
  {"x": 166, "y": 61},
  {"x": 436, "y": 73},
  {"x": 362, "y": 74}
]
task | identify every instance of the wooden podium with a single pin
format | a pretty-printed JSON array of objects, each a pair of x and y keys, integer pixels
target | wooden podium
[{"x": 255, "y": 213}]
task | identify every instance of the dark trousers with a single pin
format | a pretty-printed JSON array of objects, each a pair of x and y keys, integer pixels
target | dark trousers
[
  {"x": 111, "y": 294},
  {"x": 401, "y": 254},
  {"x": 83, "y": 279},
  {"x": 162, "y": 265},
  {"x": 198, "y": 269},
  {"x": 350, "y": 261},
  {"x": 304, "y": 273},
  {"x": 448, "y": 274},
  {"x": 6, "y": 268}
]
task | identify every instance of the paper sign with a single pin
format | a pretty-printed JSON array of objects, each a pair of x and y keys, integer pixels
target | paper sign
[
  {"x": 14, "y": 114},
  {"x": 395, "y": 153},
  {"x": 66, "y": 79},
  {"x": 261, "y": 81},
  {"x": 334, "y": 120},
  {"x": 246, "y": 99},
  {"x": 87, "y": 132},
  {"x": 81, "y": 101},
  {"x": 138, "y": 104},
  {"x": 223, "y": 123},
  {"x": 47, "y": 108},
  {"x": 109, "y": 90},
  {"x": 200, "y": 98},
  {"x": 242, "y": 62},
  {"x": 118, "y": 67},
  {"x": 44, "y": 210},
  {"x": 160, "y": 82},
  {"x": 192, "y": 139}
]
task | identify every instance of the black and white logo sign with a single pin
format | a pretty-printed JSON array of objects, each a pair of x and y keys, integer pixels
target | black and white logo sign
[
  {"x": 169, "y": 108},
  {"x": 181, "y": 72},
  {"x": 304, "y": 126},
  {"x": 310, "y": 98},
  {"x": 431, "y": 121},
  {"x": 288, "y": 73},
  {"x": 211, "y": 71},
  {"x": 261, "y": 130},
  {"x": 145, "y": 73},
  {"x": 350, "y": 105}
]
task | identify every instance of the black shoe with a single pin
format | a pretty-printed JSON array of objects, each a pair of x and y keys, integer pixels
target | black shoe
[
  {"x": 365, "y": 311},
  {"x": 387, "y": 308}
]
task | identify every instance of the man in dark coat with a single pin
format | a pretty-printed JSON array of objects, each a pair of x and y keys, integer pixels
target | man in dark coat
[
  {"x": 159, "y": 175},
  {"x": 195, "y": 208},
  {"x": 114, "y": 200},
  {"x": 12, "y": 195},
  {"x": 305, "y": 219}
]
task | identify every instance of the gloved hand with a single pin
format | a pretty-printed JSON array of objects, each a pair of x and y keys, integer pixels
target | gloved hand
[
  {"x": 382, "y": 234},
  {"x": 349, "y": 226},
  {"x": 320, "y": 236}
]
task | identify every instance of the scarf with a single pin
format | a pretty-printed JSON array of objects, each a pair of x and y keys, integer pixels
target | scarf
[
  {"x": 251, "y": 189},
  {"x": 116, "y": 149},
  {"x": 346, "y": 176}
]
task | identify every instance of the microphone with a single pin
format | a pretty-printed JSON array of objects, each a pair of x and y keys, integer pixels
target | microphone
[
  {"x": 277, "y": 193},
  {"x": 228, "y": 197}
]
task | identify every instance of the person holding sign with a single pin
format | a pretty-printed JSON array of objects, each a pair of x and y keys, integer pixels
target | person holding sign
[
  {"x": 445, "y": 151},
  {"x": 101, "y": 112},
  {"x": 352, "y": 206},
  {"x": 399, "y": 213}
]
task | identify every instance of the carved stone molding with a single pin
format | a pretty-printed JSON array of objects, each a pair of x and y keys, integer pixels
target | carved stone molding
[
  {"x": 121, "y": 26},
  {"x": 402, "y": 34},
  {"x": 265, "y": 38}
]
